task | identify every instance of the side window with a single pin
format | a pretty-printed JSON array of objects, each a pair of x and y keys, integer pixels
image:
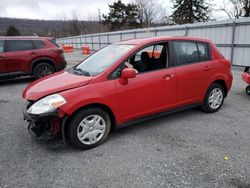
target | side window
[
  {"x": 19, "y": 45},
  {"x": 185, "y": 52},
  {"x": 1, "y": 46},
  {"x": 147, "y": 49},
  {"x": 153, "y": 57},
  {"x": 38, "y": 44},
  {"x": 157, "y": 51},
  {"x": 203, "y": 51},
  {"x": 150, "y": 58}
]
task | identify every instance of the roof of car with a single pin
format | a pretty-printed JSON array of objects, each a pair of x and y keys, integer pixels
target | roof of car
[
  {"x": 23, "y": 37},
  {"x": 159, "y": 39}
]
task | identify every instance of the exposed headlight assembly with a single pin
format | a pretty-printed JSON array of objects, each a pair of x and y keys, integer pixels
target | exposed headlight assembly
[{"x": 46, "y": 104}]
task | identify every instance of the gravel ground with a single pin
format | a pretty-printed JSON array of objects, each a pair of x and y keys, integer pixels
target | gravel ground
[{"x": 186, "y": 149}]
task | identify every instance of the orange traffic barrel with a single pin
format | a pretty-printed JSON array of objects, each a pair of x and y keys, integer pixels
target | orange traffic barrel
[
  {"x": 85, "y": 50},
  {"x": 67, "y": 48}
]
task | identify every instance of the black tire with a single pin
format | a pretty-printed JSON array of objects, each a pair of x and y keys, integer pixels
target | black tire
[
  {"x": 248, "y": 90},
  {"x": 73, "y": 127},
  {"x": 206, "y": 106},
  {"x": 43, "y": 69}
]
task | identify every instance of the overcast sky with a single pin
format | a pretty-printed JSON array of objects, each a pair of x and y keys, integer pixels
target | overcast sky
[{"x": 55, "y": 9}]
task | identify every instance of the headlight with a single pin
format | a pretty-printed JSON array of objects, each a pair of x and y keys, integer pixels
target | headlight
[{"x": 47, "y": 104}]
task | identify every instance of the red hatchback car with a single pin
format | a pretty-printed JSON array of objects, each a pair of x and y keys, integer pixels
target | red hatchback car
[
  {"x": 124, "y": 83},
  {"x": 38, "y": 56}
]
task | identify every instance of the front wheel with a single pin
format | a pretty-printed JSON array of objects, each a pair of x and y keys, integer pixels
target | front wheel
[
  {"x": 214, "y": 98},
  {"x": 248, "y": 90},
  {"x": 88, "y": 128}
]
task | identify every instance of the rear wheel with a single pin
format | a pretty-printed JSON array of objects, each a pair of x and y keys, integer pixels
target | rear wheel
[
  {"x": 43, "y": 69},
  {"x": 88, "y": 128},
  {"x": 248, "y": 90},
  {"x": 214, "y": 98}
]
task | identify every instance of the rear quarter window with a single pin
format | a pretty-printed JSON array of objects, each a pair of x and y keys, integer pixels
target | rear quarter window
[{"x": 204, "y": 51}]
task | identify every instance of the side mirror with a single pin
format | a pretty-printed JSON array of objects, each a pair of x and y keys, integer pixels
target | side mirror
[{"x": 128, "y": 73}]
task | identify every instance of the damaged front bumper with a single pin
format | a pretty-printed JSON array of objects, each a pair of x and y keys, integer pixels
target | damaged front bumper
[{"x": 45, "y": 126}]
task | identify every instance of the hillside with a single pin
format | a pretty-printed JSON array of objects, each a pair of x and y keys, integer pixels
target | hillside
[{"x": 57, "y": 28}]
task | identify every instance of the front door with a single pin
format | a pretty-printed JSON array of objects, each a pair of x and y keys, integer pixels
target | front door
[{"x": 153, "y": 89}]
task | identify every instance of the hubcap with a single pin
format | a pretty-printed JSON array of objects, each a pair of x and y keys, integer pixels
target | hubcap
[
  {"x": 44, "y": 71},
  {"x": 248, "y": 90},
  {"x": 215, "y": 98},
  {"x": 91, "y": 129}
]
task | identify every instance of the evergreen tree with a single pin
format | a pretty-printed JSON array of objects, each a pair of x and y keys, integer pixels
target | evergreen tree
[
  {"x": 132, "y": 16},
  {"x": 12, "y": 31},
  {"x": 190, "y": 11},
  {"x": 122, "y": 16}
]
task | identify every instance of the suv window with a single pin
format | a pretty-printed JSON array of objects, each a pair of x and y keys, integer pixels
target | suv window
[
  {"x": 1, "y": 46},
  {"x": 38, "y": 44},
  {"x": 203, "y": 51},
  {"x": 185, "y": 52},
  {"x": 19, "y": 45}
]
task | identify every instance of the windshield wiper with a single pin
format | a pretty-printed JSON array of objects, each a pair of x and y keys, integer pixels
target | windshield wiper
[{"x": 78, "y": 71}]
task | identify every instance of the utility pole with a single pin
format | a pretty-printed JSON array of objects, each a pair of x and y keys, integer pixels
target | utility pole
[{"x": 100, "y": 19}]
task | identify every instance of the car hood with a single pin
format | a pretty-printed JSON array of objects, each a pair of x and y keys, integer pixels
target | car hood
[{"x": 57, "y": 82}]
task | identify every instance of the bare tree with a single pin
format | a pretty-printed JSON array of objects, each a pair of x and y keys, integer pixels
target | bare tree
[
  {"x": 64, "y": 27},
  {"x": 94, "y": 20},
  {"x": 75, "y": 23},
  {"x": 150, "y": 11},
  {"x": 236, "y": 8},
  {"x": 92, "y": 16}
]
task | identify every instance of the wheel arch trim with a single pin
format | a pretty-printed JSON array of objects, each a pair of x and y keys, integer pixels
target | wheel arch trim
[
  {"x": 37, "y": 60},
  {"x": 106, "y": 108}
]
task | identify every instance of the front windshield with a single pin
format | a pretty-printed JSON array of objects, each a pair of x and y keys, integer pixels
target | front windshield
[{"x": 101, "y": 60}]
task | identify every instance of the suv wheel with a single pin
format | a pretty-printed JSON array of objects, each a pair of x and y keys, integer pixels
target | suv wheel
[
  {"x": 214, "y": 98},
  {"x": 248, "y": 90},
  {"x": 88, "y": 128},
  {"x": 43, "y": 69}
]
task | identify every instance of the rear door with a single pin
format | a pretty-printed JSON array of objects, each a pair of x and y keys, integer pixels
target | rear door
[
  {"x": 3, "y": 66},
  {"x": 20, "y": 54},
  {"x": 193, "y": 70}
]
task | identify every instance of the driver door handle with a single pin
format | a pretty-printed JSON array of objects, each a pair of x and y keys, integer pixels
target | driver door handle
[{"x": 168, "y": 76}]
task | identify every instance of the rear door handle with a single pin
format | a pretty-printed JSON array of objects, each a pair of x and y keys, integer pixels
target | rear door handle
[
  {"x": 168, "y": 76},
  {"x": 206, "y": 68},
  {"x": 33, "y": 53}
]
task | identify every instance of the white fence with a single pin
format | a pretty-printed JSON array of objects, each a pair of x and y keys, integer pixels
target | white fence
[{"x": 231, "y": 36}]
